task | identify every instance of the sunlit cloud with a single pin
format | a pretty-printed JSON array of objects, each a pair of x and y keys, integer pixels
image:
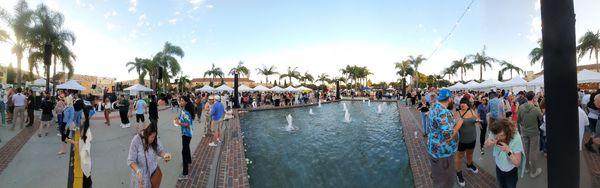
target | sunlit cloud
[{"x": 132, "y": 5}]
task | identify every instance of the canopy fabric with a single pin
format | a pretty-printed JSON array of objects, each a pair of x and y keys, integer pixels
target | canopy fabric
[
  {"x": 277, "y": 89},
  {"x": 488, "y": 84},
  {"x": 471, "y": 85},
  {"x": 260, "y": 88},
  {"x": 244, "y": 88},
  {"x": 539, "y": 81},
  {"x": 515, "y": 82},
  {"x": 290, "y": 89},
  {"x": 40, "y": 82},
  {"x": 587, "y": 76},
  {"x": 302, "y": 88},
  {"x": 224, "y": 88},
  {"x": 138, "y": 88},
  {"x": 72, "y": 85},
  {"x": 206, "y": 88},
  {"x": 457, "y": 86}
]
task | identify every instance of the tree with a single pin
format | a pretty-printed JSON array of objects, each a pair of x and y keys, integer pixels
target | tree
[
  {"x": 4, "y": 36},
  {"x": 10, "y": 74},
  {"x": 307, "y": 78},
  {"x": 139, "y": 66},
  {"x": 510, "y": 67},
  {"x": 213, "y": 73},
  {"x": 20, "y": 23},
  {"x": 415, "y": 62},
  {"x": 404, "y": 69},
  {"x": 450, "y": 71},
  {"x": 481, "y": 60},
  {"x": 463, "y": 66},
  {"x": 46, "y": 36},
  {"x": 590, "y": 43},
  {"x": 165, "y": 60},
  {"x": 537, "y": 54},
  {"x": 267, "y": 72},
  {"x": 182, "y": 83},
  {"x": 291, "y": 73},
  {"x": 323, "y": 78},
  {"x": 241, "y": 69},
  {"x": 66, "y": 57}
]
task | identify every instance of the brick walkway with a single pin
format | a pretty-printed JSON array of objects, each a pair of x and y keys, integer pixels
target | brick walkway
[
  {"x": 200, "y": 169},
  {"x": 593, "y": 162},
  {"x": 419, "y": 159},
  {"x": 233, "y": 171},
  {"x": 14, "y": 145}
]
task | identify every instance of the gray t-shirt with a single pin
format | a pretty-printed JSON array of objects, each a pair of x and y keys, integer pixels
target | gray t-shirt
[{"x": 467, "y": 131}]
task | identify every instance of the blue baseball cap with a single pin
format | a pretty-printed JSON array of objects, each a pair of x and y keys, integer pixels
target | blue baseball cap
[{"x": 444, "y": 94}]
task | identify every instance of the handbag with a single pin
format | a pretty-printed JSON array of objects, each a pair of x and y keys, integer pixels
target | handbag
[{"x": 156, "y": 176}]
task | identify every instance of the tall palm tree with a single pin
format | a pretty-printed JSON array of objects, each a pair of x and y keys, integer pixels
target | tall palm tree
[
  {"x": 450, "y": 71},
  {"x": 463, "y": 66},
  {"x": 415, "y": 62},
  {"x": 139, "y": 67},
  {"x": 267, "y": 72},
  {"x": 404, "y": 69},
  {"x": 182, "y": 82},
  {"x": 167, "y": 61},
  {"x": 3, "y": 36},
  {"x": 307, "y": 78},
  {"x": 291, "y": 73},
  {"x": 590, "y": 43},
  {"x": 66, "y": 57},
  {"x": 241, "y": 69},
  {"x": 537, "y": 54},
  {"x": 20, "y": 23},
  {"x": 323, "y": 77},
  {"x": 213, "y": 73},
  {"x": 481, "y": 60},
  {"x": 506, "y": 66}
]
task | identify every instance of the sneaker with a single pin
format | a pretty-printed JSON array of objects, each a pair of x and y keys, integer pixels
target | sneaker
[
  {"x": 183, "y": 177},
  {"x": 212, "y": 144},
  {"x": 473, "y": 168},
  {"x": 537, "y": 172},
  {"x": 128, "y": 125},
  {"x": 461, "y": 179},
  {"x": 122, "y": 126}
]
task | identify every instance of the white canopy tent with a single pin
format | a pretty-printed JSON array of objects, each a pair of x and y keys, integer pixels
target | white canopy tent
[
  {"x": 302, "y": 88},
  {"x": 457, "y": 86},
  {"x": 40, "y": 82},
  {"x": 260, "y": 88},
  {"x": 224, "y": 88},
  {"x": 488, "y": 84},
  {"x": 244, "y": 88},
  {"x": 277, "y": 89},
  {"x": 515, "y": 82},
  {"x": 138, "y": 88},
  {"x": 290, "y": 89},
  {"x": 72, "y": 85},
  {"x": 539, "y": 81},
  {"x": 586, "y": 76},
  {"x": 206, "y": 88},
  {"x": 471, "y": 85}
]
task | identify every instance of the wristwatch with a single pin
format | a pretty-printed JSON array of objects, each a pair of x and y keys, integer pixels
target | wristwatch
[{"x": 509, "y": 153}]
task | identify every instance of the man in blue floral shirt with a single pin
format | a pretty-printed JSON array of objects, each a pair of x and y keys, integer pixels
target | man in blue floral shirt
[{"x": 440, "y": 144}]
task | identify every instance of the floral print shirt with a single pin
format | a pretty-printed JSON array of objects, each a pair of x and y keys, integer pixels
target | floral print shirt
[{"x": 441, "y": 126}]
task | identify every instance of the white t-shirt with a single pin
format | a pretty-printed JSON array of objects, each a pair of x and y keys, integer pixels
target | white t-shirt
[
  {"x": 19, "y": 99},
  {"x": 583, "y": 121}
]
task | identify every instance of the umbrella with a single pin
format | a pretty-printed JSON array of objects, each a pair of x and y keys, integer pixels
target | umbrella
[
  {"x": 587, "y": 76},
  {"x": 260, "y": 88},
  {"x": 138, "y": 88},
  {"x": 277, "y": 89},
  {"x": 244, "y": 88},
  {"x": 205, "y": 88},
  {"x": 72, "y": 85},
  {"x": 224, "y": 88}
]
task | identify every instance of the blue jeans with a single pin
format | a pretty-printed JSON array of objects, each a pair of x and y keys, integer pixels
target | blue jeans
[
  {"x": 77, "y": 118},
  {"x": 507, "y": 179},
  {"x": 424, "y": 120},
  {"x": 3, "y": 112}
]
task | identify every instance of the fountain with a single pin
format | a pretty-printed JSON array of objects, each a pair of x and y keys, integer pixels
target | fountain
[
  {"x": 364, "y": 100},
  {"x": 379, "y": 109},
  {"x": 290, "y": 127},
  {"x": 347, "y": 118},
  {"x": 345, "y": 109},
  {"x": 310, "y": 112},
  {"x": 319, "y": 103},
  {"x": 369, "y": 102}
]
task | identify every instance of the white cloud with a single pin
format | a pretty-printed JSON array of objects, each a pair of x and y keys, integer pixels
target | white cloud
[
  {"x": 133, "y": 34},
  {"x": 535, "y": 29},
  {"x": 110, "y": 26},
  {"x": 173, "y": 21},
  {"x": 194, "y": 40},
  {"x": 210, "y": 6},
  {"x": 110, "y": 14},
  {"x": 196, "y": 3},
  {"x": 142, "y": 17},
  {"x": 177, "y": 13},
  {"x": 132, "y": 6}
]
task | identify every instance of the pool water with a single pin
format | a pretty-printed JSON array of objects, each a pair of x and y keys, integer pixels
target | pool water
[{"x": 326, "y": 151}]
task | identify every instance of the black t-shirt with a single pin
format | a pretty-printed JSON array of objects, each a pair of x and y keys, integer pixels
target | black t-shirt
[
  {"x": 47, "y": 107},
  {"x": 423, "y": 108},
  {"x": 153, "y": 110},
  {"x": 78, "y": 105},
  {"x": 30, "y": 105}
]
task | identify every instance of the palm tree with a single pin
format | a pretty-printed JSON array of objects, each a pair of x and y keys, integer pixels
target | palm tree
[
  {"x": 213, "y": 73},
  {"x": 67, "y": 57},
  {"x": 241, "y": 69},
  {"x": 482, "y": 60},
  {"x": 166, "y": 61},
  {"x": 139, "y": 67},
  {"x": 323, "y": 78},
  {"x": 307, "y": 78},
  {"x": 450, "y": 71},
  {"x": 20, "y": 23},
  {"x": 182, "y": 82},
  {"x": 463, "y": 66},
  {"x": 291, "y": 73},
  {"x": 510, "y": 67},
  {"x": 590, "y": 43},
  {"x": 404, "y": 69},
  {"x": 537, "y": 54},
  {"x": 415, "y": 62},
  {"x": 3, "y": 36},
  {"x": 267, "y": 72}
]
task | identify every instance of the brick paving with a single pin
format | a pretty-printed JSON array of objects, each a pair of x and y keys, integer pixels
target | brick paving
[
  {"x": 233, "y": 171},
  {"x": 14, "y": 145},
  {"x": 593, "y": 162},
  {"x": 418, "y": 157},
  {"x": 200, "y": 169}
]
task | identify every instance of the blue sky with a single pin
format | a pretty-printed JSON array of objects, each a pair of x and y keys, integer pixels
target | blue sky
[{"x": 316, "y": 36}]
